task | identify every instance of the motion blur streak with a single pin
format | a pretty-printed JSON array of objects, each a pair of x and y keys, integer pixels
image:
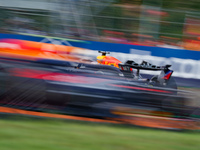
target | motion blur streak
[
  {"x": 143, "y": 89},
  {"x": 41, "y": 114},
  {"x": 61, "y": 77},
  {"x": 30, "y": 50}
]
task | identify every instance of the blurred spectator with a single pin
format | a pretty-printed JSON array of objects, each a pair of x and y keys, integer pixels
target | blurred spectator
[
  {"x": 191, "y": 44},
  {"x": 114, "y": 37},
  {"x": 169, "y": 42}
]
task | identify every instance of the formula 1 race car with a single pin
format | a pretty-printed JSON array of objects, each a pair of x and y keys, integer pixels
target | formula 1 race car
[{"x": 130, "y": 70}]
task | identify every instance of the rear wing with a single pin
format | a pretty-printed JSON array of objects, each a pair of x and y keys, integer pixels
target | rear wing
[
  {"x": 143, "y": 66},
  {"x": 129, "y": 65}
]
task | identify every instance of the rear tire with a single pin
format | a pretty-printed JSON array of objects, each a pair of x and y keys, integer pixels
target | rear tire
[{"x": 171, "y": 83}]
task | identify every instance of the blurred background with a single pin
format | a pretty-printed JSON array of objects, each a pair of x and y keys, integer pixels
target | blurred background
[
  {"x": 163, "y": 23},
  {"x": 158, "y": 31}
]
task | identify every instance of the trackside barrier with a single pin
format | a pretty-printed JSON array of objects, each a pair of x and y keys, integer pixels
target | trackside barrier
[{"x": 113, "y": 47}]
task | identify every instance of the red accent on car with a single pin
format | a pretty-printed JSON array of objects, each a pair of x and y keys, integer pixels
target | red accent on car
[
  {"x": 54, "y": 76},
  {"x": 167, "y": 76}
]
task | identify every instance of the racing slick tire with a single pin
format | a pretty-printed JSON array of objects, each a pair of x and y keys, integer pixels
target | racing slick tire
[{"x": 171, "y": 83}]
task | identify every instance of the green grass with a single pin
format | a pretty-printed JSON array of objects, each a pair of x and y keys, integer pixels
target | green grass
[{"x": 66, "y": 135}]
